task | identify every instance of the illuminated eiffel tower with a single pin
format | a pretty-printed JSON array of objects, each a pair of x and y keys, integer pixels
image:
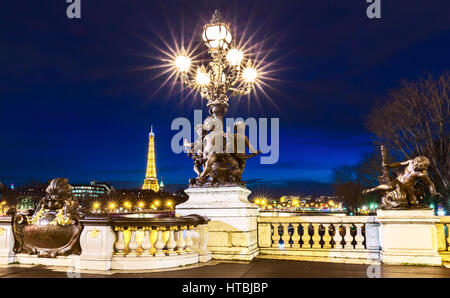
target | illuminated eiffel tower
[{"x": 151, "y": 182}]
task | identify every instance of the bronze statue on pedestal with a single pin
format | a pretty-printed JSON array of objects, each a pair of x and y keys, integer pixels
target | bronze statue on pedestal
[
  {"x": 401, "y": 191},
  {"x": 219, "y": 158}
]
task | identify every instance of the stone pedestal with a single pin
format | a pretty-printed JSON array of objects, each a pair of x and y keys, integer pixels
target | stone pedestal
[
  {"x": 97, "y": 245},
  {"x": 232, "y": 230},
  {"x": 6, "y": 241},
  {"x": 408, "y": 237},
  {"x": 372, "y": 227}
]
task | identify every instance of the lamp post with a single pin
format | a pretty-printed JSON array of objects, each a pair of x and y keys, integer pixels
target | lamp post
[{"x": 226, "y": 75}]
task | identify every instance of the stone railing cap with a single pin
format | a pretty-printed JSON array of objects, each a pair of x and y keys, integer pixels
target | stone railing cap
[
  {"x": 6, "y": 219},
  {"x": 192, "y": 220}
]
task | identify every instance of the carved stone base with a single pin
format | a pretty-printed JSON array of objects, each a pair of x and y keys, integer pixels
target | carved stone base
[
  {"x": 6, "y": 241},
  {"x": 233, "y": 226},
  {"x": 408, "y": 237}
]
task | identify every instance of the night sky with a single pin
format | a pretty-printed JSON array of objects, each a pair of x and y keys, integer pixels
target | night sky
[{"x": 73, "y": 105}]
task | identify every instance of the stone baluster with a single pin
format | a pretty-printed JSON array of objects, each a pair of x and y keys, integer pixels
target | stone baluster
[
  {"x": 171, "y": 244},
  {"x": 337, "y": 237},
  {"x": 316, "y": 236},
  {"x": 285, "y": 237},
  {"x": 203, "y": 251},
  {"x": 348, "y": 237},
  {"x": 295, "y": 237},
  {"x": 303, "y": 237},
  {"x": 359, "y": 237},
  {"x": 275, "y": 236},
  {"x": 448, "y": 237},
  {"x": 133, "y": 244},
  {"x": 120, "y": 243},
  {"x": 189, "y": 241},
  {"x": 279, "y": 231},
  {"x": 146, "y": 245},
  {"x": 181, "y": 243},
  {"x": 326, "y": 236},
  {"x": 159, "y": 244}
]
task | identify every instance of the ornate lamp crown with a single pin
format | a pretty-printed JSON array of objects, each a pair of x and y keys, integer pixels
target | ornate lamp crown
[{"x": 217, "y": 34}]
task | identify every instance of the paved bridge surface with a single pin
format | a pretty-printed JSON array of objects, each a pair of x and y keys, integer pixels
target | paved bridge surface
[{"x": 258, "y": 268}]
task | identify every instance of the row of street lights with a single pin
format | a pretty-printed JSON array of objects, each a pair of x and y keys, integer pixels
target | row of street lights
[{"x": 127, "y": 206}]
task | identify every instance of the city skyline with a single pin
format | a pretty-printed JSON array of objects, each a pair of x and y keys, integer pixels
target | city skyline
[{"x": 72, "y": 104}]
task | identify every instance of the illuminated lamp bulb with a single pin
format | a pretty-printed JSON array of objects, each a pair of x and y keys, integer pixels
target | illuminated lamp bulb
[
  {"x": 183, "y": 63},
  {"x": 249, "y": 74},
  {"x": 234, "y": 57},
  {"x": 202, "y": 77}
]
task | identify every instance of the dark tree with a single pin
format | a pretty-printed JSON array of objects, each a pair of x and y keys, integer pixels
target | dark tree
[
  {"x": 350, "y": 180},
  {"x": 347, "y": 187},
  {"x": 414, "y": 120}
]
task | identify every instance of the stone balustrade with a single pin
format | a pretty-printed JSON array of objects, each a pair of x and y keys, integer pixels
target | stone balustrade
[
  {"x": 321, "y": 238},
  {"x": 136, "y": 243},
  {"x": 124, "y": 243},
  {"x": 160, "y": 237}
]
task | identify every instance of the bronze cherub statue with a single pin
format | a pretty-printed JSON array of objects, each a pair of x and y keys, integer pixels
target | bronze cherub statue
[
  {"x": 219, "y": 158},
  {"x": 400, "y": 192}
]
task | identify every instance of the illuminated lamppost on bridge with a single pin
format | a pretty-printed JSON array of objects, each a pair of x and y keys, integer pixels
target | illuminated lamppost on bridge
[{"x": 218, "y": 192}]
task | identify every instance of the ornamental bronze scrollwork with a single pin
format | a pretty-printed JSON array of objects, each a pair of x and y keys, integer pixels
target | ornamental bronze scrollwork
[{"x": 54, "y": 228}]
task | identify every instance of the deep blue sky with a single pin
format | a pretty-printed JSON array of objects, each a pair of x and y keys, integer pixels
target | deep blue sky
[{"x": 71, "y": 106}]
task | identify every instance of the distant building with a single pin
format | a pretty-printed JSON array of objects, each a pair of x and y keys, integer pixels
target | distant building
[
  {"x": 26, "y": 196},
  {"x": 94, "y": 191},
  {"x": 34, "y": 192}
]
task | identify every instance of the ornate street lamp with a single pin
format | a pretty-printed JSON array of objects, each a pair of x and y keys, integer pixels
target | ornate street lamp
[{"x": 226, "y": 75}]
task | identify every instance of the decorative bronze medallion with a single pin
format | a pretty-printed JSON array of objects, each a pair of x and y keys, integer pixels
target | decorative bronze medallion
[{"x": 54, "y": 228}]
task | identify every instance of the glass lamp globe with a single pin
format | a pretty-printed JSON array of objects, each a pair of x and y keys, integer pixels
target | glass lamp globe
[
  {"x": 217, "y": 36},
  {"x": 202, "y": 77},
  {"x": 234, "y": 57},
  {"x": 249, "y": 74},
  {"x": 183, "y": 63}
]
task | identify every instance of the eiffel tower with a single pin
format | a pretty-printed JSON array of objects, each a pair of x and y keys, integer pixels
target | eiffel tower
[{"x": 151, "y": 182}]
